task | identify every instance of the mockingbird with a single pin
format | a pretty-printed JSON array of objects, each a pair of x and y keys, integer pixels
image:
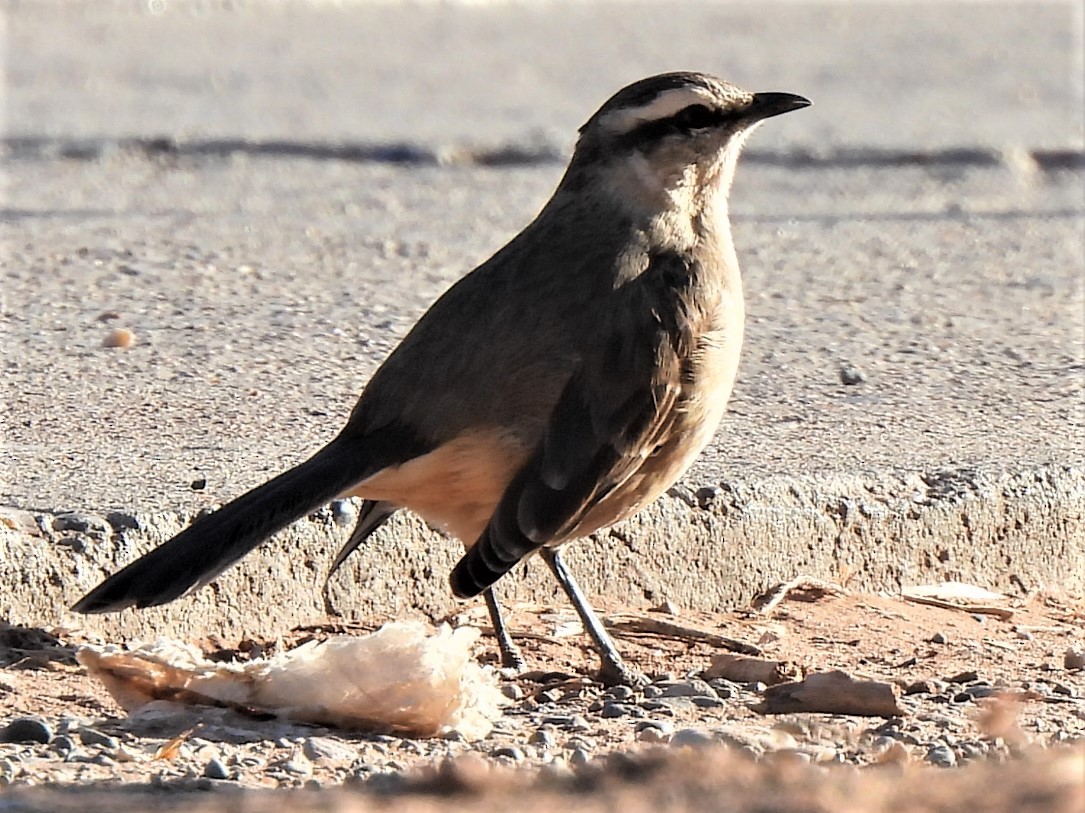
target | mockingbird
[{"x": 556, "y": 389}]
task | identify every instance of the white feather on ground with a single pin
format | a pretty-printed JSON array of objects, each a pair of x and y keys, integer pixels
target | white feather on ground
[{"x": 398, "y": 679}]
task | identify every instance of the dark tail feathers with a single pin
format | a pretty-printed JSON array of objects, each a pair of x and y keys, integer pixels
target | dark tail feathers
[{"x": 211, "y": 544}]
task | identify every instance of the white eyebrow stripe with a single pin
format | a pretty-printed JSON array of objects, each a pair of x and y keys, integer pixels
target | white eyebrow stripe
[{"x": 663, "y": 106}]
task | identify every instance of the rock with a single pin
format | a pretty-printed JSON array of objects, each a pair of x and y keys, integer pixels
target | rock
[
  {"x": 942, "y": 756},
  {"x": 620, "y": 693},
  {"x": 120, "y": 521},
  {"x": 579, "y": 723},
  {"x": 964, "y": 677},
  {"x": 679, "y": 705},
  {"x": 543, "y": 738},
  {"x": 326, "y": 750},
  {"x": 706, "y": 495},
  {"x": 343, "y": 513},
  {"x": 611, "y": 711},
  {"x": 691, "y": 738},
  {"x": 851, "y": 375},
  {"x": 579, "y": 757},
  {"x": 214, "y": 769},
  {"x": 27, "y": 729},
  {"x": 63, "y": 745},
  {"x": 706, "y": 702},
  {"x": 81, "y": 523},
  {"x": 688, "y": 688},
  {"x": 512, "y": 691},
  {"x": 93, "y": 737},
  {"x": 298, "y": 765},
  {"x": 508, "y": 752},
  {"x": 654, "y": 731},
  {"x": 1073, "y": 659}
]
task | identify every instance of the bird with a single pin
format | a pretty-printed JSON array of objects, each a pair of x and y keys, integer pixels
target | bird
[{"x": 556, "y": 389}]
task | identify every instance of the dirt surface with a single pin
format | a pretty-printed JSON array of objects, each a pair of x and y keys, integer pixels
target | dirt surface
[{"x": 976, "y": 690}]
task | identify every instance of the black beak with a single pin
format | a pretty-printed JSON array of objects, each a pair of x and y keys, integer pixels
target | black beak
[{"x": 767, "y": 105}]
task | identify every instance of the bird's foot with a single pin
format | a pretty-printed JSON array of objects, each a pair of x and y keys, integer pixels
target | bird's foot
[
  {"x": 616, "y": 673},
  {"x": 512, "y": 659}
]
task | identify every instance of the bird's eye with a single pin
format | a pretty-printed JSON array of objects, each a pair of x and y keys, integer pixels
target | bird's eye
[{"x": 694, "y": 117}]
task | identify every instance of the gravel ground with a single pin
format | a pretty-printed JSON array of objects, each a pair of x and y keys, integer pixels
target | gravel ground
[{"x": 974, "y": 689}]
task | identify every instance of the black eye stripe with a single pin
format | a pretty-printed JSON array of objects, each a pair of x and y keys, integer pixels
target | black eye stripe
[
  {"x": 685, "y": 121},
  {"x": 694, "y": 117}
]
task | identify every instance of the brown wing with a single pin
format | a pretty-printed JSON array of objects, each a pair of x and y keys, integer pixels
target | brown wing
[{"x": 614, "y": 412}]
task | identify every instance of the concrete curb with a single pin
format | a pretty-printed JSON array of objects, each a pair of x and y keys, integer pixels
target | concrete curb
[{"x": 709, "y": 548}]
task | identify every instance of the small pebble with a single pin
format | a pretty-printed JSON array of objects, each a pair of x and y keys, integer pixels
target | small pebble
[
  {"x": 706, "y": 495},
  {"x": 512, "y": 691},
  {"x": 691, "y": 738},
  {"x": 563, "y": 721},
  {"x": 653, "y": 735},
  {"x": 119, "y": 337},
  {"x": 214, "y": 769},
  {"x": 343, "y": 513},
  {"x": 942, "y": 756},
  {"x": 81, "y": 523},
  {"x": 972, "y": 750},
  {"x": 63, "y": 745},
  {"x": 850, "y": 375},
  {"x": 689, "y": 688},
  {"x": 327, "y": 750},
  {"x": 620, "y": 693},
  {"x": 654, "y": 731},
  {"x": 939, "y": 638},
  {"x": 586, "y": 743},
  {"x": 509, "y": 752},
  {"x": 723, "y": 692},
  {"x": 706, "y": 702},
  {"x": 298, "y": 764},
  {"x": 93, "y": 737},
  {"x": 1073, "y": 659},
  {"x": 919, "y": 687},
  {"x": 788, "y": 756},
  {"x": 578, "y": 723},
  {"x": 652, "y": 691},
  {"x": 964, "y": 677},
  {"x": 666, "y": 606},
  {"x": 683, "y": 494},
  {"x": 120, "y": 521},
  {"x": 544, "y": 738},
  {"x": 27, "y": 729},
  {"x": 681, "y": 705},
  {"x": 657, "y": 707},
  {"x": 579, "y": 758},
  {"x": 613, "y": 710}
]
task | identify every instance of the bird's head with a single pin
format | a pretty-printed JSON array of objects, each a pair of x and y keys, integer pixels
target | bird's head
[{"x": 671, "y": 140}]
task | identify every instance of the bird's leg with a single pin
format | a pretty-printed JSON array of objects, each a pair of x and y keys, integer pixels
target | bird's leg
[
  {"x": 511, "y": 656},
  {"x": 614, "y": 671}
]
